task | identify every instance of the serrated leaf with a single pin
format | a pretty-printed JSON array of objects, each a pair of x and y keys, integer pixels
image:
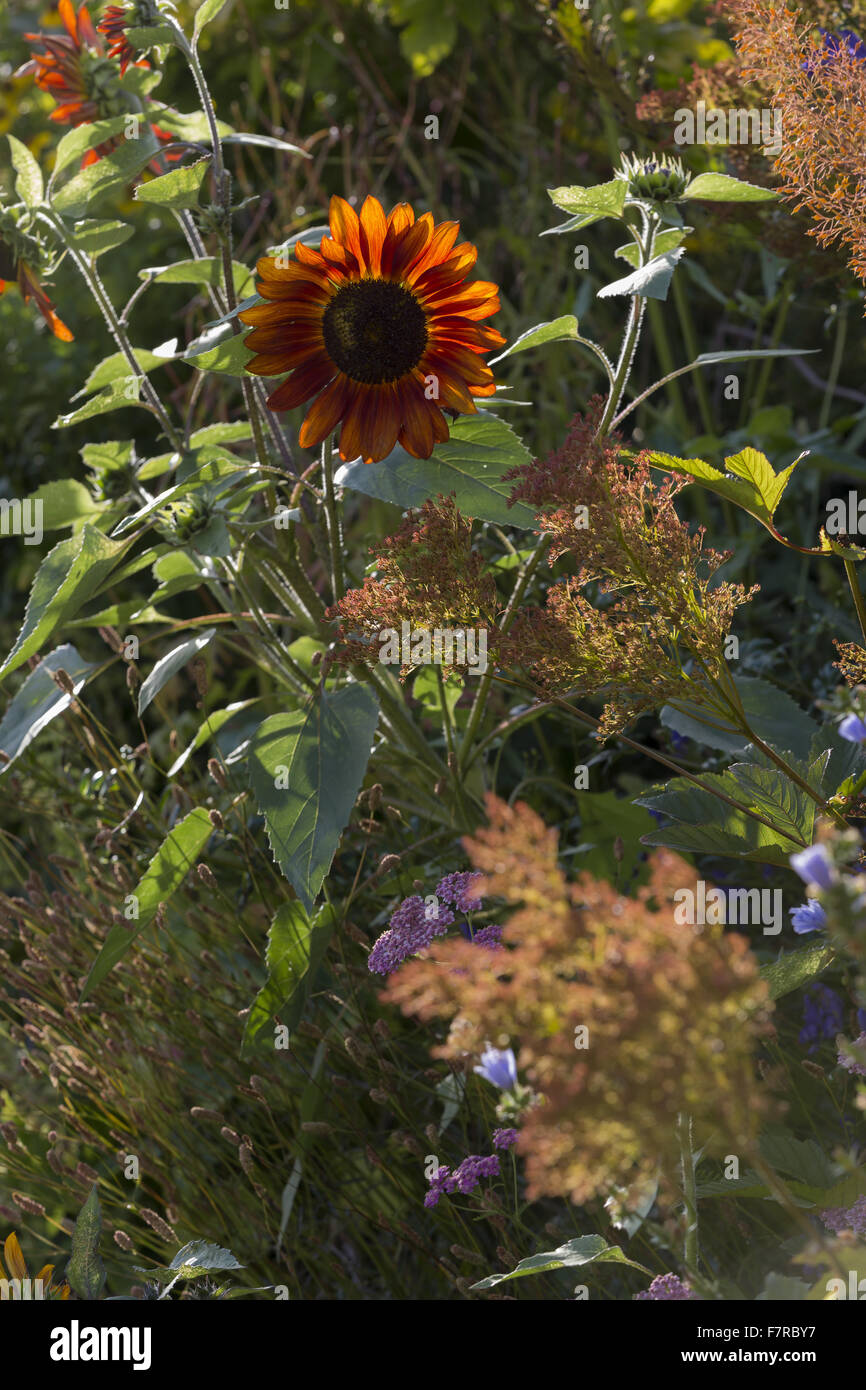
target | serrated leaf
[
  {"x": 650, "y": 281},
  {"x": 206, "y": 12},
  {"x": 795, "y": 968},
  {"x": 163, "y": 876},
  {"x": 178, "y": 189},
  {"x": 85, "y": 1271},
  {"x": 169, "y": 665},
  {"x": 665, "y": 241},
  {"x": 95, "y": 237},
  {"x": 230, "y": 357},
  {"x": 64, "y": 503},
  {"x": 116, "y": 367},
  {"x": 80, "y": 139},
  {"x": 295, "y": 949},
  {"x": 192, "y": 126},
  {"x": 28, "y": 183},
  {"x": 471, "y": 464},
  {"x": 320, "y": 753},
  {"x": 109, "y": 175},
  {"x": 207, "y": 271},
  {"x": 770, "y": 712},
  {"x": 583, "y": 1250},
  {"x": 722, "y": 188},
  {"x": 556, "y": 331},
  {"x": 40, "y": 700},
  {"x": 802, "y": 1159},
  {"x": 604, "y": 200},
  {"x": 68, "y": 576},
  {"x": 755, "y": 487},
  {"x": 122, "y": 392}
]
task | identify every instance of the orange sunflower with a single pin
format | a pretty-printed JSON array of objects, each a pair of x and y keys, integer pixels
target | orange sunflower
[{"x": 377, "y": 325}]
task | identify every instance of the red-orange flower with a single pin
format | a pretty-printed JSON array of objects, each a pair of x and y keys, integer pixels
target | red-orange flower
[
  {"x": 28, "y": 284},
  {"x": 379, "y": 327},
  {"x": 114, "y": 24},
  {"x": 66, "y": 69},
  {"x": 75, "y": 70}
]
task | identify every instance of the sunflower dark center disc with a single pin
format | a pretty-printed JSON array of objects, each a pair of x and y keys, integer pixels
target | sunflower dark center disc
[{"x": 374, "y": 330}]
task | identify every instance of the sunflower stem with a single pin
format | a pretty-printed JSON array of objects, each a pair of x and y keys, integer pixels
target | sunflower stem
[{"x": 332, "y": 520}]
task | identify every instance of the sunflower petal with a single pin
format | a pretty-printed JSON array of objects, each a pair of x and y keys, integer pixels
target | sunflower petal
[
  {"x": 326, "y": 412},
  {"x": 346, "y": 228},
  {"x": 14, "y": 1258},
  {"x": 373, "y": 230}
]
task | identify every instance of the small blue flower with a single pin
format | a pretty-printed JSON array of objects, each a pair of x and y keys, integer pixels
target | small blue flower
[
  {"x": 498, "y": 1067},
  {"x": 814, "y": 865},
  {"x": 853, "y": 729},
  {"x": 809, "y": 916}
]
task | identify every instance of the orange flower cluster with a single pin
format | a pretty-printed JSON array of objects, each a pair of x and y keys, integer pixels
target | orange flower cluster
[
  {"x": 428, "y": 576},
  {"x": 623, "y": 534},
  {"x": 623, "y": 1018}
]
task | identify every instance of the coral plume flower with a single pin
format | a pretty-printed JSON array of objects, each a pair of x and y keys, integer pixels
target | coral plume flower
[{"x": 377, "y": 328}]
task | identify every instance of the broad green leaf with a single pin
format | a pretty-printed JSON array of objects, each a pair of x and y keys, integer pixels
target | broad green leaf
[
  {"x": 40, "y": 700},
  {"x": 795, "y": 968},
  {"x": 192, "y": 126},
  {"x": 782, "y": 1288},
  {"x": 230, "y": 357},
  {"x": 81, "y": 138},
  {"x": 85, "y": 1271},
  {"x": 28, "y": 183},
  {"x": 771, "y": 714},
  {"x": 122, "y": 392},
  {"x": 150, "y": 36},
  {"x": 722, "y": 188},
  {"x": 68, "y": 576},
  {"x": 116, "y": 367},
  {"x": 64, "y": 503},
  {"x": 306, "y": 769},
  {"x": 471, "y": 464},
  {"x": 604, "y": 200},
  {"x": 756, "y": 487},
  {"x": 108, "y": 176},
  {"x": 576, "y": 1253},
  {"x": 207, "y": 271},
  {"x": 554, "y": 332},
  {"x": 163, "y": 876},
  {"x": 665, "y": 241},
  {"x": 95, "y": 237},
  {"x": 193, "y": 1260},
  {"x": 169, "y": 665},
  {"x": 296, "y": 947},
  {"x": 207, "y": 11},
  {"x": 802, "y": 1159},
  {"x": 176, "y": 190},
  {"x": 650, "y": 281}
]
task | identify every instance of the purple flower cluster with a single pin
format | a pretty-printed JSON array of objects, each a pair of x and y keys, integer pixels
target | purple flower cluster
[
  {"x": 850, "y": 1063},
  {"x": 823, "y": 1016},
  {"x": 411, "y": 929},
  {"x": 504, "y": 1138},
  {"x": 464, "y": 1179},
  {"x": 666, "y": 1287},
  {"x": 838, "y": 1219},
  {"x": 456, "y": 891},
  {"x": 490, "y": 937}
]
